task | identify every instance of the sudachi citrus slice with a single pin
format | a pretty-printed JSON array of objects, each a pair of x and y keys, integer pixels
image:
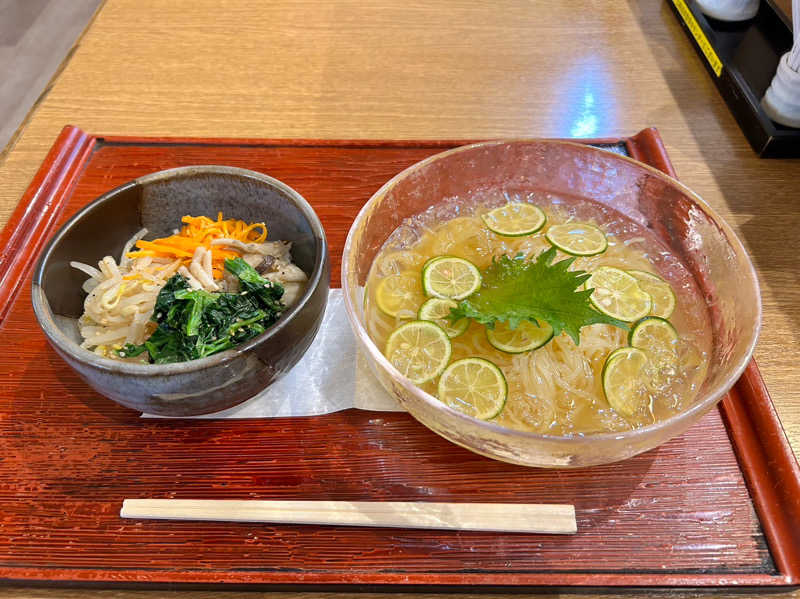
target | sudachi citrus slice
[
  {"x": 659, "y": 290},
  {"x": 450, "y": 277},
  {"x": 515, "y": 219},
  {"x": 437, "y": 309},
  {"x": 577, "y": 239},
  {"x": 419, "y": 349},
  {"x": 399, "y": 293},
  {"x": 525, "y": 337},
  {"x": 623, "y": 381},
  {"x": 617, "y": 294},
  {"x": 475, "y": 387}
]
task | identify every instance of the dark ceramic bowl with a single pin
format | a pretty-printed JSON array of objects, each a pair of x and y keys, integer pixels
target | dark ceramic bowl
[{"x": 157, "y": 202}]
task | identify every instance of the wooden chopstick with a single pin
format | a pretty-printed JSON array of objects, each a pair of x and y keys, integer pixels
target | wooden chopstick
[{"x": 498, "y": 517}]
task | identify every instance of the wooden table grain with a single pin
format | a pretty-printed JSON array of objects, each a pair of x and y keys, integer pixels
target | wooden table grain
[{"x": 413, "y": 69}]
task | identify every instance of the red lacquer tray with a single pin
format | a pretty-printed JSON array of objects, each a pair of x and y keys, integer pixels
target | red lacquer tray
[{"x": 717, "y": 506}]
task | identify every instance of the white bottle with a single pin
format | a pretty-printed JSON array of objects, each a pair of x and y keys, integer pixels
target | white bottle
[
  {"x": 729, "y": 10},
  {"x": 781, "y": 102}
]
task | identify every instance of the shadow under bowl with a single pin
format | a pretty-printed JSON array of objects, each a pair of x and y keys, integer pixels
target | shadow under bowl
[{"x": 157, "y": 202}]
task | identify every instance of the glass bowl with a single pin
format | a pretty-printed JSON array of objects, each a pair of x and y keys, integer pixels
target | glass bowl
[{"x": 565, "y": 173}]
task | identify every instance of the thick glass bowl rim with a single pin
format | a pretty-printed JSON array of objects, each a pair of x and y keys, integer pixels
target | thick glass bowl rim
[{"x": 715, "y": 394}]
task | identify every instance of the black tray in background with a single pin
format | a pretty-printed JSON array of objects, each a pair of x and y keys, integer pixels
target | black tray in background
[{"x": 741, "y": 59}]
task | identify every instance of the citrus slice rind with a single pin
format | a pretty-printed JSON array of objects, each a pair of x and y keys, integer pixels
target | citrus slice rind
[
  {"x": 659, "y": 340},
  {"x": 623, "y": 380},
  {"x": 437, "y": 309},
  {"x": 419, "y": 349},
  {"x": 526, "y": 337},
  {"x": 653, "y": 331},
  {"x": 475, "y": 387},
  {"x": 577, "y": 239},
  {"x": 659, "y": 290},
  {"x": 449, "y": 277},
  {"x": 617, "y": 294},
  {"x": 399, "y": 294},
  {"x": 515, "y": 219}
]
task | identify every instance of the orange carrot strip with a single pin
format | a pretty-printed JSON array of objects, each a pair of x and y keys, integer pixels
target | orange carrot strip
[
  {"x": 149, "y": 245},
  {"x": 179, "y": 242},
  {"x": 252, "y": 229},
  {"x": 202, "y": 230}
]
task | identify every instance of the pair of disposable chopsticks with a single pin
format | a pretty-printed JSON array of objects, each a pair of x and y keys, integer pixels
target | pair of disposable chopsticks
[{"x": 498, "y": 517}]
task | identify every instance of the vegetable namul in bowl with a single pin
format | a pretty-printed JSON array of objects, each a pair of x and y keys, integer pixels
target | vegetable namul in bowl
[
  {"x": 547, "y": 303},
  {"x": 190, "y": 295},
  {"x": 187, "y": 291}
]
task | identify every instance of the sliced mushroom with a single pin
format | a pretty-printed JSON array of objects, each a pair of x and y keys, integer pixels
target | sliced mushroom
[
  {"x": 266, "y": 265},
  {"x": 287, "y": 273}
]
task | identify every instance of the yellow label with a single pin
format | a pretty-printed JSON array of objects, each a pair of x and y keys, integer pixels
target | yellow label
[{"x": 699, "y": 36}]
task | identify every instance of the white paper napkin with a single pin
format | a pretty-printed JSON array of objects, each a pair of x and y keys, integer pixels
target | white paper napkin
[{"x": 331, "y": 376}]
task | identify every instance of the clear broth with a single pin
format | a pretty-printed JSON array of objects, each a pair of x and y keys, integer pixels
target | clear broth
[{"x": 555, "y": 389}]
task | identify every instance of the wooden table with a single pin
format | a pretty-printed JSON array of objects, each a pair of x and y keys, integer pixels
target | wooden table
[{"x": 459, "y": 69}]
